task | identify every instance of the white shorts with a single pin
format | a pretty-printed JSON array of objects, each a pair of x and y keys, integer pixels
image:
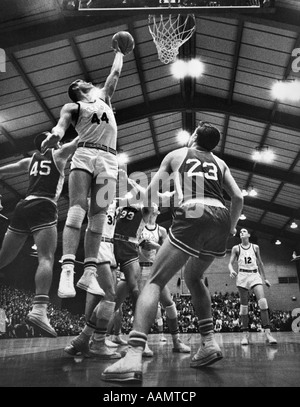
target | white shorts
[
  {"x": 100, "y": 164},
  {"x": 248, "y": 280},
  {"x": 106, "y": 254}
]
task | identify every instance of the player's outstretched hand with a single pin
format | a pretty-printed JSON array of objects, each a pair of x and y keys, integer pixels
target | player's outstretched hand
[{"x": 51, "y": 141}]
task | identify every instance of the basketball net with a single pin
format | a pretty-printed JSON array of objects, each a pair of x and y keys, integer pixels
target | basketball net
[{"x": 169, "y": 33}]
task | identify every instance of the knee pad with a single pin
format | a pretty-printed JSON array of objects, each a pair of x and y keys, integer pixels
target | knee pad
[
  {"x": 96, "y": 222},
  {"x": 171, "y": 311},
  {"x": 243, "y": 309},
  {"x": 105, "y": 310},
  {"x": 75, "y": 217},
  {"x": 263, "y": 304}
]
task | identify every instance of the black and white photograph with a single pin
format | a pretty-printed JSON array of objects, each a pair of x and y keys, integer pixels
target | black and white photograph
[{"x": 163, "y": 138}]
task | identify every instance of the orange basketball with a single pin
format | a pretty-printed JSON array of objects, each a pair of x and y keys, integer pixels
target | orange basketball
[{"x": 124, "y": 41}]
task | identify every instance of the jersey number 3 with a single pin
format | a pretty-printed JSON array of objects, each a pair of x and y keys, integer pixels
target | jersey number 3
[{"x": 41, "y": 168}]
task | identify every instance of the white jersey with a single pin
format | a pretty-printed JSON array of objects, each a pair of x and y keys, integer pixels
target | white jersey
[
  {"x": 110, "y": 224},
  {"x": 247, "y": 258},
  {"x": 153, "y": 235},
  {"x": 96, "y": 123}
]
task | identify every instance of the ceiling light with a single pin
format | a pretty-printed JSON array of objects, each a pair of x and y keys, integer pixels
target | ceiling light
[
  {"x": 122, "y": 158},
  {"x": 179, "y": 69},
  {"x": 249, "y": 191},
  {"x": 286, "y": 90},
  {"x": 252, "y": 192},
  {"x": 263, "y": 154},
  {"x": 183, "y": 136},
  {"x": 195, "y": 68},
  {"x": 293, "y": 225},
  {"x": 242, "y": 217},
  {"x": 278, "y": 242}
]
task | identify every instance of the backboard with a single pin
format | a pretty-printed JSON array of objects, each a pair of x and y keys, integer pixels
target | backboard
[{"x": 121, "y": 7}]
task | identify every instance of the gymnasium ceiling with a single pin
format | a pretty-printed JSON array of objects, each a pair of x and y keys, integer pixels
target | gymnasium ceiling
[{"x": 243, "y": 55}]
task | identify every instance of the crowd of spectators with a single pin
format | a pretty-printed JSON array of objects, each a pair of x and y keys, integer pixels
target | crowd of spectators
[{"x": 17, "y": 303}]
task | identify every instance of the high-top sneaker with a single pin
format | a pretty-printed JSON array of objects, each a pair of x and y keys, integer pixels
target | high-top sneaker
[
  {"x": 88, "y": 282},
  {"x": 66, "y": 284},
  {"x": 209, "y": 352}
]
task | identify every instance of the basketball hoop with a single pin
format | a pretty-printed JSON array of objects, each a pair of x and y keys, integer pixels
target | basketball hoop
[{"x": 169, "y": 33}]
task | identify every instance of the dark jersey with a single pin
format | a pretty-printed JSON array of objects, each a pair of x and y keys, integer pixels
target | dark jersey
[
  {"x": 45, "y": 180},
  {"x": 129, "y": 221},
  {"x": 201, "y": 176}
]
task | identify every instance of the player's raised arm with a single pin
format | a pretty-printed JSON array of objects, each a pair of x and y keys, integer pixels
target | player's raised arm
[
  {"x": 16, "y": 168},
  {"x": 113, "y": 78}
]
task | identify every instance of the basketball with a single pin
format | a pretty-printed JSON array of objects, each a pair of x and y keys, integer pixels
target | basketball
[{"x": 124, "y": 41}]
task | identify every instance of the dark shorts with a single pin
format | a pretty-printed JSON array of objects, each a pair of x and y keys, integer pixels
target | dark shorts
[
  {"x": 206, "y": 235},
  {"x": 33, "y": 215},
  {"x": 125, "y": 253}
]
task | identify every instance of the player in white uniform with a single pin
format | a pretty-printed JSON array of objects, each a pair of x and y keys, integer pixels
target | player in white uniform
[
  {"x": 151, "y": 238},
  {"x": 250, "y": 269},
  {"x": 98, "y": 311},
  {"x": 94, "y": 171}
]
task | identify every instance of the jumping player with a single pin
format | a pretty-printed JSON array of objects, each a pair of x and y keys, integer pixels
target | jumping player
[
  {"x": 36, "y": 214},
  {"x": 94, "y": 170},
  {"x": 100, "y": 310}
]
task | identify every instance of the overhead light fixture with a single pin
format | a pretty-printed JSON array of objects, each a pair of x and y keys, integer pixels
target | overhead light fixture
[
  {"x": 195, "y": 68},
  {"x": 122, "y": 158},
  {"x": 181, "y": 69},
  {"x": 183, "y": 136},
  {"x": 278, "y": 242},
  {"x": 286, "y": 90},
  {"x": 242, "y": 217},
  {"x": 263, "y": 154},
  {"x": 293, "y": 225},
  {"x": 250, "y": 191}
]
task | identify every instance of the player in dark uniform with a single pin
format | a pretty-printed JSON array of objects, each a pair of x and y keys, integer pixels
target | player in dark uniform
[
  {"x": 198, "y": 234},
  {"x": 36, "y": 214}
]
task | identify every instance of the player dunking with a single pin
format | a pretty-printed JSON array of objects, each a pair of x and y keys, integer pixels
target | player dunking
[
  {"x": 198, "y": 234},
  {"x": 36, "y": 214},
  {"x": 94, "y": 170},
  {"x": 250, "y": 269}
]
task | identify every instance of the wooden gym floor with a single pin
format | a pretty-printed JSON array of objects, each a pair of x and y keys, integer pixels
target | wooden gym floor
[{"x": 41, "y": 362}]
